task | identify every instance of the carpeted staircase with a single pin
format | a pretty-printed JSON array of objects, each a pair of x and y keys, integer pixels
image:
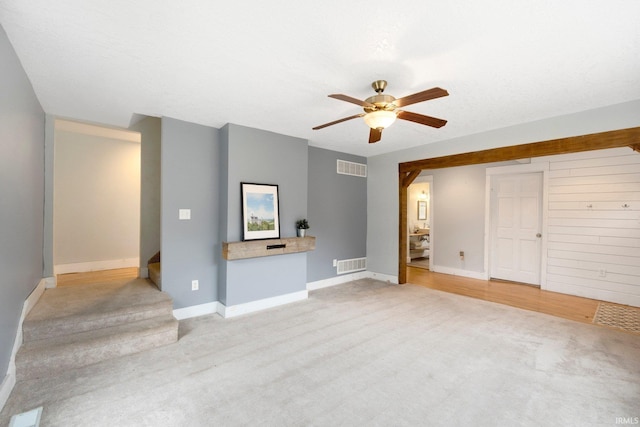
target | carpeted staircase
[{"x": 80, "y": 325}]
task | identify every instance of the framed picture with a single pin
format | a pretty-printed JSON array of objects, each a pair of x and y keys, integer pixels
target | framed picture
[
  {"x": 260, "y": 213},
  {"x": 422, "y": 210}
]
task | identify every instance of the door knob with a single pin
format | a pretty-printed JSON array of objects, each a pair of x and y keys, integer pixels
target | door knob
[{"x": 538, "y": 235}]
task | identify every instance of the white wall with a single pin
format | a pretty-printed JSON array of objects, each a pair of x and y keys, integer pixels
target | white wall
[
  {"x": 382, "y": 191},
  {"x": 593, "y": 240},
  {"x": 96, "y": 213}
]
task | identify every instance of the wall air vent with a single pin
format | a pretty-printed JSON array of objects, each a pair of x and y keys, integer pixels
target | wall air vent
[
  {"x": 351, "y": 168},
  {"x": 351, "y": 265}
]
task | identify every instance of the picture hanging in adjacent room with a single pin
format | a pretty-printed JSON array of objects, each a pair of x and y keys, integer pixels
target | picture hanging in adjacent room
[
  {"x": 260, "y": 213},
  {"x": 422, "y": 209}
]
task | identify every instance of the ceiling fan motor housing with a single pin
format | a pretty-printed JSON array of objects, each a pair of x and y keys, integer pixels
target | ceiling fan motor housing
[{"x": 380, "y": 102}]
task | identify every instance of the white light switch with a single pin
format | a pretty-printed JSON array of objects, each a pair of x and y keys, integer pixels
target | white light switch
[{"x": 184, "y": 214}]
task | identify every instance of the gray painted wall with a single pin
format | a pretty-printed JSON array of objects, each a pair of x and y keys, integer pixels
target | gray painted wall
[
  {"x": 22, "y": 122},
  {"x": 190, "y": 157},
  {"x": 337, "y": 206},
  {"x": 458, "y": 196},
  {"x": 382, "y": 200},
  {"x": 150, "y": 177},
  {"x": 262, "y": 157}
]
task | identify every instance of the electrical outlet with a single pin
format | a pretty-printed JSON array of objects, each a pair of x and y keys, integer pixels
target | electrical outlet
[
  {"x": 335, "y": 262},
  {"x": 195, "y": 285},
  {"x": 462, "y": 255}
]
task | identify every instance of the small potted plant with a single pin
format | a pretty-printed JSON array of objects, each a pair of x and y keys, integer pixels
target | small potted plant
[{"x": 302, "y": 225}]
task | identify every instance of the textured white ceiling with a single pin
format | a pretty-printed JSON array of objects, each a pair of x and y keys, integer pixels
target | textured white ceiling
[{"x": 271, "y": 64}]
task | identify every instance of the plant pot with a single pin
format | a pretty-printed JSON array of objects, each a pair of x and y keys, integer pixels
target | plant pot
[{"x": 302, "y": 232}]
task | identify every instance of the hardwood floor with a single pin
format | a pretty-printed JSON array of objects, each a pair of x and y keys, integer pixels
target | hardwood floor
[
  {"x": 509, "y": 293},
  {"x": 72, "y": 279}
]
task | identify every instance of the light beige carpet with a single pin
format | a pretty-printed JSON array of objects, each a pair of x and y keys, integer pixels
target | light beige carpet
[{"x": 360, "y": 354}]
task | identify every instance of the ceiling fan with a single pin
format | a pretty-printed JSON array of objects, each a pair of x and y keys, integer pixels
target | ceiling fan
[{"x": 380, "y": 111}]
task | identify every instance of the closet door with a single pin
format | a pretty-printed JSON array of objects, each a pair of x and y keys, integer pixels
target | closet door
[{"x": 516, "y": 224}]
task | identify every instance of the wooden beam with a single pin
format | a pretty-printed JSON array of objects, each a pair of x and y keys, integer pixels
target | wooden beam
[
  {"x": 409, "y": 171},
  {"x": 409, "y": 178},
  {"x": 573, "y": 144}
]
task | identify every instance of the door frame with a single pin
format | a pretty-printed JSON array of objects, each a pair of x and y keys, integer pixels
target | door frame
[
  {"x": 408, "y": 171},
  {"x": 537, "y": 167}
]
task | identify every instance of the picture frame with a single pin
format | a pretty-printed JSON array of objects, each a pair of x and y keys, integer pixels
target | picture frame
[
  {"x": 260, "y": 211},
  {"x": 422, "y": 210}
]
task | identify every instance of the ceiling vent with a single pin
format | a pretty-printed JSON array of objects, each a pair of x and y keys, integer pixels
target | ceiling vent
[{"x": 351, "y": 168}]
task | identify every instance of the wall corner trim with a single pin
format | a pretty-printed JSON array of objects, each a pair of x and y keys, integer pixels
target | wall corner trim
[
  {"x": 383, "y": 277},
  {"x": 345, "y": 278},
  {"x": 262, "y": 304},
  {"x": 9, "y": 380},
  {"x": 338, "y": 280},
  {"x": 196, "y": 310}
]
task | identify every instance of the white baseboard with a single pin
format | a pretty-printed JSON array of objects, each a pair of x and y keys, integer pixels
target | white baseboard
[
  {"x": 338, "y": 280},
  {"x": 383, "y": 277},
  {"x": 459, "y": 272},
  {"x": 9, "y": 380},
  {"x": 50, "y": 282},
  {"x": 196, "y": 310},
  {"x": 250, "y": 307},
  {"x": 143, "y": 273},
  {"x": 83, "y": 267}
]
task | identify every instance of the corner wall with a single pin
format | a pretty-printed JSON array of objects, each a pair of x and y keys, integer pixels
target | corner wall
[
  {"x": 261, "y": 157},
  {"x": 190, "y": 156},
  {"x": 337, "y": 206},
  {"x": 22, "y": 122}
]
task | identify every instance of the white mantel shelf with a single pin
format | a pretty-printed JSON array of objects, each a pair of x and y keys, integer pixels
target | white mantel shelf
[{"x": 261, "y": 248}]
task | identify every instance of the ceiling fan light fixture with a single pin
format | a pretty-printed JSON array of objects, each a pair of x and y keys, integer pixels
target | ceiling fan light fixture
[{"x": 379, "y": 119}]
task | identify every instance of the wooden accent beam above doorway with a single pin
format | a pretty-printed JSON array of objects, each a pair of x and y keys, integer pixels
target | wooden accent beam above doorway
[
  {"x": 409, "y": 171},
  {"x": 408, "y": 178},
  {"x": 597, "y": 141}
]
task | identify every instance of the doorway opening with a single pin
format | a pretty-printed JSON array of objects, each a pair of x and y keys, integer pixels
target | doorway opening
[
  {"x": 419, "y": 218},
  {"x": 96, "y": 198},
  {"x": 409, "y": 171}
]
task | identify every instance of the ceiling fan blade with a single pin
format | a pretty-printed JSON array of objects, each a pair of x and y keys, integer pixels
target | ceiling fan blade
[
  {"x": 350, "y": 99},
  {"x": 423, "y": 120},
  {"x": 425, "y": 95},
  {"x": 375, "y": 135},
  {"x": 338, "y": 121}
]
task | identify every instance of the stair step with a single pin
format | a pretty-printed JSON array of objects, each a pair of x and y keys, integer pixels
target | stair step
[
  {"x": 47, "y": 357},
  {"x": 63, "y": 311},
  {"x": 51, "y": 328}
]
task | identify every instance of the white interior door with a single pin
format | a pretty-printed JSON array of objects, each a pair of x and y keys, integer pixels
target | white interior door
[{"x": 516, "y": 227}]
